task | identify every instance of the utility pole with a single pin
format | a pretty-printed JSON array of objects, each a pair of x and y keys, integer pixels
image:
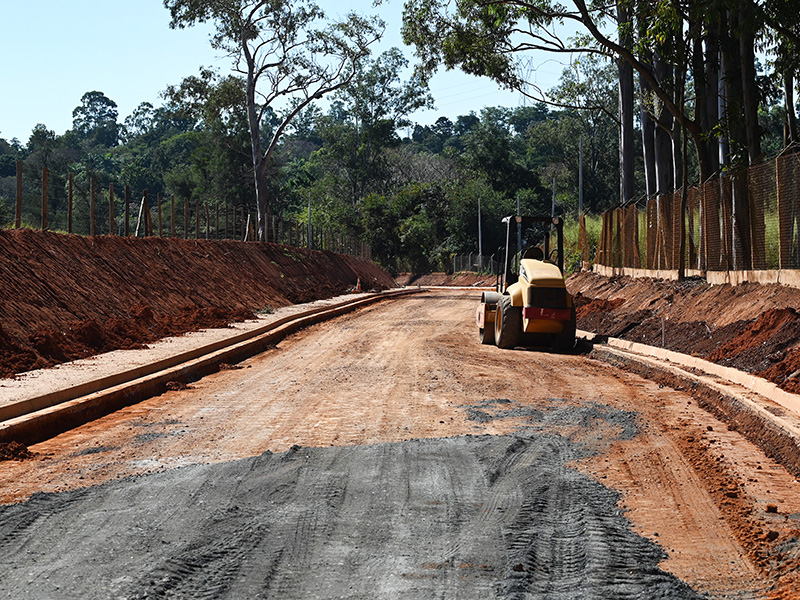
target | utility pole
[
  {"x": 519, "y": 227},
  {"x": 480, "y": 239},
  {"x": 580, "y": 178}
]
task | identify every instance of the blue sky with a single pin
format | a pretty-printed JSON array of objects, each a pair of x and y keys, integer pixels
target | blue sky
[{"x": 54, "y": 52}]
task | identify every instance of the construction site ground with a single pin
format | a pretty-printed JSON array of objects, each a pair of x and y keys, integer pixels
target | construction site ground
[{"x": 387, "y": 453}]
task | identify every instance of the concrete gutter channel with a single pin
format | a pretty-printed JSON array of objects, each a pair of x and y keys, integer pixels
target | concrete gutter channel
[
  {"x": 39, "y": 418},
  {"x": 766, "y": 415}
]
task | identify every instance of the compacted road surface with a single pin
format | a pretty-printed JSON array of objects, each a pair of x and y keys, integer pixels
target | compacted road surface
[{"x": 387, "y": 454}]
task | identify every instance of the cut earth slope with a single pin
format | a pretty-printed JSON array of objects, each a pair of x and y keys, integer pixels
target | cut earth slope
[{"x": 64, "y": 297}]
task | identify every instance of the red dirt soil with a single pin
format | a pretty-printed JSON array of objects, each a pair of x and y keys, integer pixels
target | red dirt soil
[
  {"x": 462, "y": 279},
  {"x": 64, "y": 297},
  {"x": 14, "y": 451},
  {"x": 751, "y": 327}
]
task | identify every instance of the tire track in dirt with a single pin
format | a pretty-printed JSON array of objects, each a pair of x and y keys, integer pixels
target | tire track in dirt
[
  {"x": 381, "y": 521},
  {"x": 380, "y": 490}
]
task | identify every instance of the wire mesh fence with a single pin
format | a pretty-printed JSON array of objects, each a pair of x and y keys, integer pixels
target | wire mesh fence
[
  {"x": 78, "y": 205},
  {"x": 747, "y": 219},
  {"x": 479, "y": 263}
]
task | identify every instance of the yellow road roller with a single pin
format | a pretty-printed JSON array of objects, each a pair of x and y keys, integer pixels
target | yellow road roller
[{"x": 530, "y": 305}]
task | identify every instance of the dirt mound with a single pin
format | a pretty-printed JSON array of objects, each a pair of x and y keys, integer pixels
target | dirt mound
[
  {"x": 765, "y": 339},
  {"x": 754, "y": 328},
  {"x": 592, "y": 306},
  {"x": 66, "y": 297},
  {"x": 14, "y": 451},
  {"x": 464, "y": 279}
]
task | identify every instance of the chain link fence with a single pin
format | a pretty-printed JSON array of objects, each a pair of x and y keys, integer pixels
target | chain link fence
[
  {"x": 742, "y": 220},
  {"x": 478, "y": 263}
]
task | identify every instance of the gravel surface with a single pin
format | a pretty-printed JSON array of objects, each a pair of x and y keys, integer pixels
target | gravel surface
[
  {"x": 387, "y": 454},
  {"x": 463, "y": 517}
]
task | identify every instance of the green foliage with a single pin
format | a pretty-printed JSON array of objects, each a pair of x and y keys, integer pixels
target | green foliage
[
  {"x": 285, "y": 50},
  {"x": 95, "y": 120},
  {"x": 8, "y": 165},
  {"x": 573, "y": 258}
]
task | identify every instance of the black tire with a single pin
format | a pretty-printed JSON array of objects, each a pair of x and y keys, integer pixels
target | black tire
[
  {"x": 507, "y": 324},
  {"x": 565, "y": 341}
]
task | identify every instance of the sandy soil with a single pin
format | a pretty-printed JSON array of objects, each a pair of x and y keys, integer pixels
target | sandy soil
[{"x": 386, "y": 454}]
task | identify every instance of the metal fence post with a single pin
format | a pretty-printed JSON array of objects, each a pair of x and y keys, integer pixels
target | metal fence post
[
  {"x": 18, "y": 212},
  {"x": 44, "y": 198},
  {"x": 111, "y": 224}
]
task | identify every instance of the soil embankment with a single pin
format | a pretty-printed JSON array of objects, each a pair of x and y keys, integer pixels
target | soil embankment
[
  {"x": 64, "y": 297},
  {"x": 463, "y": 279},
  {"x": 750, "y": 327}
]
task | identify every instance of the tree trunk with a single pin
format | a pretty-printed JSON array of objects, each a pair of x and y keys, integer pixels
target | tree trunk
[
  {"x": 713, "y": 110},
  {"x": 791, "y": 116},
  {"x": 259, "y": 162},
  {"x": 648, "y": 143},
  {"x": 722, "y": 108},
  {"x": 626, "y": 143},
  {"x": 749, "y": 88},
  {"x": 734, "y": 101},
  {"x": 665, "y": 176},
  {"x": 705, "y": 93}
]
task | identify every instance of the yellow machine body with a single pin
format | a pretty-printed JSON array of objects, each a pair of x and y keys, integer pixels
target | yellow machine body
[{"x": 542, "y": 295}]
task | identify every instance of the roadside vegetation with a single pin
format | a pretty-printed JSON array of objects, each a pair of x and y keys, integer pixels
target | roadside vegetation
[{"x": 359, "y": 164}]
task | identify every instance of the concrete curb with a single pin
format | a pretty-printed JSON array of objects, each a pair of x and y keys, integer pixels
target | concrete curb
[
  {"x": 43, "y": 417},
  {"x": 763, "y": 413}
]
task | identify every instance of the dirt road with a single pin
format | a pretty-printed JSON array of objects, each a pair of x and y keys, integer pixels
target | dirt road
[{"x": 388, "y": 454}]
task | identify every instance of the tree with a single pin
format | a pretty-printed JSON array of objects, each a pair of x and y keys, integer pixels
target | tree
[
  {"x": 286, "y": 51},
  {"x": 363, "y": 122},
  {"x": 488, "y": 38},
  {"x": 95, "y": 120}
]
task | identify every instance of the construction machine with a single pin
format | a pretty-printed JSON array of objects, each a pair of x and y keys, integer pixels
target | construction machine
[{"x": 530, "y": 305}]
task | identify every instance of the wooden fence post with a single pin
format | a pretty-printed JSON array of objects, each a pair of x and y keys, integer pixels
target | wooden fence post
[
  {"x": 69, "y": 203},
  {"x": 44, "y": 198},
  {"x": 158, "y": 196},
  {"x": 111, "y": 224},
  {"x": 91, "y": 206},
  {"x": 148, "y": 218},
  {"x": 127, "y": 210},
  {"x": 18, "y": 212}
]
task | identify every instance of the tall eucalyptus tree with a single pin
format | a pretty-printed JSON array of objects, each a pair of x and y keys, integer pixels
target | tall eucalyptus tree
[{"x": 289, "y": 55}]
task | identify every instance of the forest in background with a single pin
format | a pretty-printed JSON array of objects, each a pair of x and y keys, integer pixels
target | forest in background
[{"x": 410, "y": 191}]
